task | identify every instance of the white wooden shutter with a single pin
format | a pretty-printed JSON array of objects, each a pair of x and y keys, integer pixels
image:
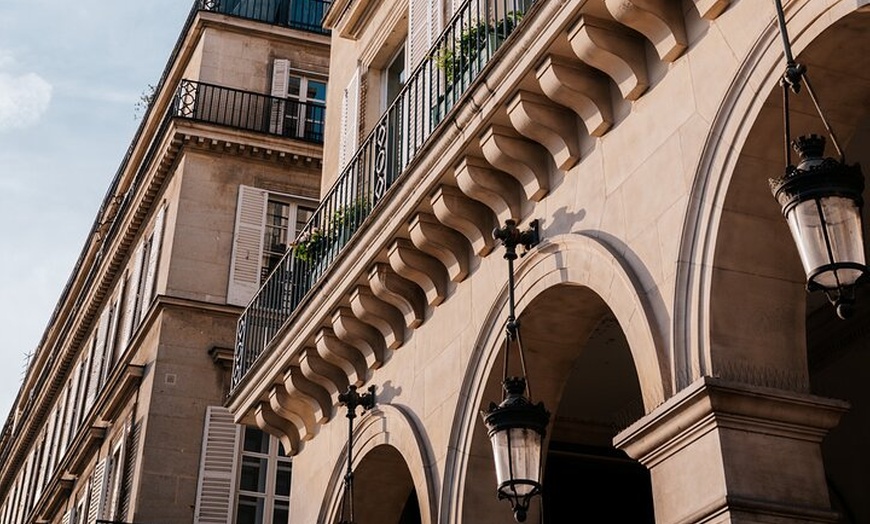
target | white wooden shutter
[
  {"x": 95, "y": 505},
  {"x": 280, "y": 85},
  {"x": 425, "y": 22},
  {"x": 112, "y": 346},
  {"x": 217, "y": 468},
  {"x": 97, "y": 356},
  {"x": 66, "y": 517},
  {"x": 247, "y": 245},
  {"x": 349, "y": 121},
  {"x": 153, "y": 261},
  {"x": 132, "y": 296}
]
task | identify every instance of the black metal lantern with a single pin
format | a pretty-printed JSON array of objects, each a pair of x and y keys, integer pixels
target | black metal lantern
[
  {"x": 516, "y": 426},
  {"x": 821, "y": 199}
]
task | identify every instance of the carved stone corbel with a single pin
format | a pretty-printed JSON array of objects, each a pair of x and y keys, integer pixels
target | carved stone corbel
[
  {"x": 518, "y": 157},
  {"x": 496, "y": 190},
  {"x": 469, "y": 217},
  {"x": 291, "y": 407},
  {"x": 610, "y": 48},
  {"x": 442, "y": 243},
  {"x": 403, "y": 294},
  {"x": 419, "y": 268},
  {"x": 351, "y": 361},
  {"x": 359, "y": 335},
  {"x": 329, "y": 376},
  {"x": 378, "y": 314},
  {"x": 711, "y": 9},
  {"x": 583, "y": 89},
  {"x": 661, "y": 21},
  {"x": 316, "y": 395},
  {"x": 282, "y": 429},
  {"x": 538, "y": 119}
]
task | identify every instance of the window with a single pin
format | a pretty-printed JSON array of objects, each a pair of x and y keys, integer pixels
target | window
[
  {"x": 395, "y": 77},
  {"x": 306, "y": 109},
  {"x": 266, "y": 224},
  {"x": 114, "y": 469},
  {"x": 263, "y": 495}
]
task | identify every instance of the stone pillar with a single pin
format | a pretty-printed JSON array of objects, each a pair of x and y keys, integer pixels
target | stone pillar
[{"x": 722, "y": 452}]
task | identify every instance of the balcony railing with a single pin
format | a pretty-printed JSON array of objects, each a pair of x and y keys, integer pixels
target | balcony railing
[
  {"x": 250, "y": 111},
  {"x": 306, "y": 15},
  {"x": 473, "y": 35}
]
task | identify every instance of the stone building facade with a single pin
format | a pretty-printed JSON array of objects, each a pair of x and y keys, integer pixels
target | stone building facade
[
  {"x": 690, "y": 376},
  {"x": 133, "y": 367}
]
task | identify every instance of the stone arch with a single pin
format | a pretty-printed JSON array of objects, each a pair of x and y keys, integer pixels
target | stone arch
[
  {"x": 587, "y": 265},
  {"x": 386, "y": 426},
  {"x": 739, "y": 282}
]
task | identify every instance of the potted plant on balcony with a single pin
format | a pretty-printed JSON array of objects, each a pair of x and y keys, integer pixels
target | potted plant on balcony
[
  {"x": 461, "y": 59},
  {"x": 314, "y": 244}
]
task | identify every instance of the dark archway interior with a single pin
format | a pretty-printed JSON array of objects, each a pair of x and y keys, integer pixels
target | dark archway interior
[
  {"x": 761, "y": 313},
  {"x": 580, "y": 366},
  {"x": 380, "y": 502}
]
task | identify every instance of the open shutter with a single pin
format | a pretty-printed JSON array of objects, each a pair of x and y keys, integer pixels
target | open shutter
[
  {"x": 66, "y": 518},
  {"x": 131, "y": 452},
  {"x": 97, "y": 359},
  {"x": 349, "y": 121},
  {"x": 280, "y": 84},
  {"x": 112, "y": 349},
  {"x": 132, "y": 296},
  {"x": 153, "y": 260},
  {"x": 217, "y": 468},
  {"x": 247, "y": 245},
  {"x": 95, "y": 506}
]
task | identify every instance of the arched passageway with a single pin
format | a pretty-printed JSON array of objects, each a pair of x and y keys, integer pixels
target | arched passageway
[
  {"x": 765, "y": 330},
  {"x": 378, "y": 502},
  {"x": 580, "y": 366}
]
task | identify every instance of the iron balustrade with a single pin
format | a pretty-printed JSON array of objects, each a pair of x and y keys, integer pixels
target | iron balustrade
[
  {"x": 306, "y": 15},
  {"x": 464, "y": 48},
  {"x": 250, "y": 111}
]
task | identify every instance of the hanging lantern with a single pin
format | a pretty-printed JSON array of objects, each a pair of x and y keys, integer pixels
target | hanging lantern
[
  {"x": 516, "y": 431},
  {"x": 821, "y": 200}
]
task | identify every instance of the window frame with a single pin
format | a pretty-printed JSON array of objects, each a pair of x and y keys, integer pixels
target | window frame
[{"x": 273, "y": 458}]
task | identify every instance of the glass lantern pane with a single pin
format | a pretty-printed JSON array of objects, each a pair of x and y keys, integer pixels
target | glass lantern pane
[
  {"x": 842, "y": 219},
  {"x": 517, "y": 454}
]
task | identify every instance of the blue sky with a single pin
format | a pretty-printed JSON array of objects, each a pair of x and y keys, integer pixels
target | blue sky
[{"x": 70, "y": 76}]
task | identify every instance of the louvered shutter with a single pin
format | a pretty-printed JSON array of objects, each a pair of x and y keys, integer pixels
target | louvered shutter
[
  {"x": 153, "y": 261},
  {"x": 247, "y": 245},
  {"x": 66, "y": 518},
  {"x": 95, "y": 505},
  {"x": 112, "y": 348},
  {"x": 280, "y": 84},
  {"x": 97, "y": 358},
  {"x": 131, "y": 453},
  {"x": 217, "y": 468},
  {"x": 349, "y": 121},
  {"x": 131, "y": 298}
]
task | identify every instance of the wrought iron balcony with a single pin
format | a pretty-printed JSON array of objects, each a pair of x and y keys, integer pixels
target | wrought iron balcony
[
  {"x": 249, "y": 111},
  {"x": 306, "y": 15},
  {"x": 473, "y": 35}
]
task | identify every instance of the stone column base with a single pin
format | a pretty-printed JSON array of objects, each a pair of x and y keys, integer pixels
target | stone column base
[{"x": 722, "y": 452}]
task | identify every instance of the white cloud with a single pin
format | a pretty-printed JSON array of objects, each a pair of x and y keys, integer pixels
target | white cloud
[{"x": 23, "y": 98}]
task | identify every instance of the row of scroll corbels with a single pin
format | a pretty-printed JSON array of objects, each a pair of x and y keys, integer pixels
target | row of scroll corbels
[{"x": 488, "y": 190}]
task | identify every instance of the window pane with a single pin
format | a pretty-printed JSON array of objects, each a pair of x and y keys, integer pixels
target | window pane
[
  {"x": 250, "y": 510},
  {"x": 253, "y": 474},
  {"x": 256, "y": 441},
  {"x": 281, "y": 514},
  {"x": 316, "y": 91},
  {"x": 303, "y": 215},
  {"x": 282, "y": 480},
  {"x": 293, "y": 86}
]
